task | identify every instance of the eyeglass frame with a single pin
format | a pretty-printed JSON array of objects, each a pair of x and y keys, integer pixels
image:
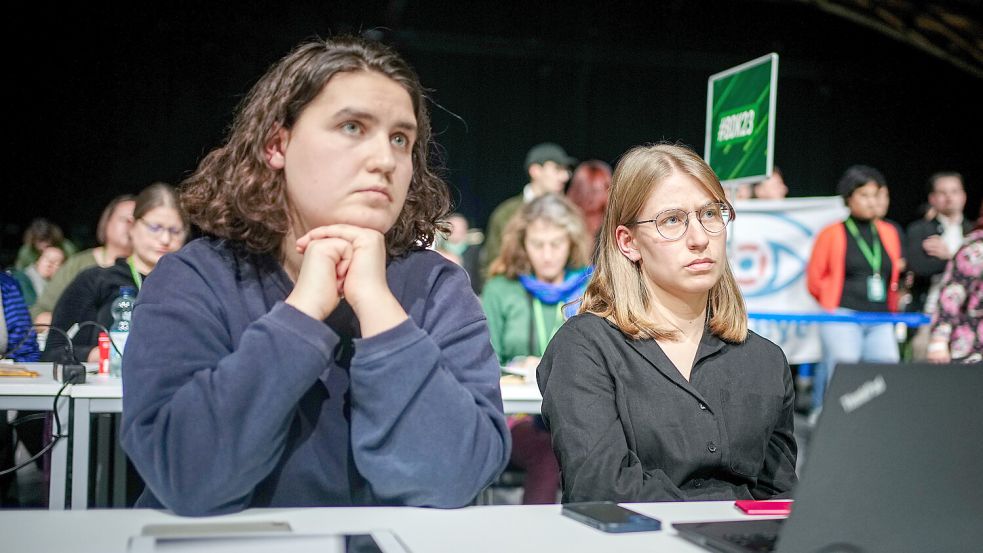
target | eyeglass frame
[
  {"x": 158, "y": 230},
  {"x": 723, "y": 207}
]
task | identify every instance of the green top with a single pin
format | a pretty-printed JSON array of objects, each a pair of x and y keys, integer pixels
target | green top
[
  {"x": 65, "y": 275},
  {"x": 509, "y": 309},
  {"x": 496, "y": 226},
  {"x": 27, "y": 254}
]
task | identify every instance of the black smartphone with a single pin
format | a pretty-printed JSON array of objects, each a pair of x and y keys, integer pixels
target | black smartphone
[{"x": 608, "y": 516}]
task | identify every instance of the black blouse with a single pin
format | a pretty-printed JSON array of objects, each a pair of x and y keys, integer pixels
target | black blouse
[
  {"x": 87, "y": 298},
  {"x": 626, "y": 426}
]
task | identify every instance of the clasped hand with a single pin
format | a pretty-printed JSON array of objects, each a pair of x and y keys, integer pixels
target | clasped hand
[{"x": 345, "y": 261}]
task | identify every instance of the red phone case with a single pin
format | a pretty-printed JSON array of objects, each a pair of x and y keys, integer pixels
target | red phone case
[{"x": 752, "y": 507}]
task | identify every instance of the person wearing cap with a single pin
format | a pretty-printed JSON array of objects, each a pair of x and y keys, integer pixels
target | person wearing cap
[{"x": 548, "y": 166}]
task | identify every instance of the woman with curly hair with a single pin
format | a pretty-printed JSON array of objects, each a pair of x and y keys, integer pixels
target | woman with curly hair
[
  {"x": 539, "y": 272},
  {"x": 309, "y": 350}
]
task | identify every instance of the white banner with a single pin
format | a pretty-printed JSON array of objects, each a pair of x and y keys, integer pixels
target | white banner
[{"x": 769, "y": 244}]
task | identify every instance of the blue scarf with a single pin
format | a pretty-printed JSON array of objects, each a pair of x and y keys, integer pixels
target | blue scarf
[{"x": 571, "y": 288}]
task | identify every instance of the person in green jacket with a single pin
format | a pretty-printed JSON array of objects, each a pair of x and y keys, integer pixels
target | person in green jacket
[
  {"x": 536, "y": 280},
  {"x": 113, "y": 233},
  {"x": 40, "y": 234}
]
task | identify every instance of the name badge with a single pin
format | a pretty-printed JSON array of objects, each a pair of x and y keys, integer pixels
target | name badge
[{"x": 875, "y": 288}]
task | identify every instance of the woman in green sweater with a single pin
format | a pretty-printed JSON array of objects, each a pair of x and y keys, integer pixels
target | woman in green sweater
[{"x": 540, "y": 270}]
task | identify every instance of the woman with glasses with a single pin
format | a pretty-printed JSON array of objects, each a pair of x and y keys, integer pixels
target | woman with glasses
[
  {"x": 159, "y": 227},
  {"x": 657, "y": 391}
]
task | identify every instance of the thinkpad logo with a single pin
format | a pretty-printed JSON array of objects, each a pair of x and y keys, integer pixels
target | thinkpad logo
[{"x": 866, "y": 392}]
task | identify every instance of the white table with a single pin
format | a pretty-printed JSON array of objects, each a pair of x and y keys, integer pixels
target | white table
[
  {"x": 103, "y": 394},
  {"x": 521, "y": 398},
  {"x": 99, "y": 394},
  {"x": 38, "y": 394},
  {"x": 497, "y": 529}
]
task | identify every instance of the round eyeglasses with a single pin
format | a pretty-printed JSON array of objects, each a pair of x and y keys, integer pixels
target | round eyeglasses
[{"x": 672, "y": 224}]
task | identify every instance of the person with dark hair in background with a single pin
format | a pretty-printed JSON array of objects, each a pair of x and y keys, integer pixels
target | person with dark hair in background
[
  {"x": 159, "y": 228},
  {"x": 548, "y": 167},
  {"x": 772, "y": 188},
  {"x": 541, "y": 267},
  {"x": 657, "y": 390},
  {"x": 932, "y": 241},
  {"x": 957, "y": 322},
  {"x": 461, "y": 247},
  {"x": 113, "y": 234},
  {"x": 33, "y": 279},
  {"x": 40, "y": 234},
  {"x": 589, "y": 191},
  {"x": 853, "y": 268},
  {"x": 310, "y": 350},
  {"x": 17, "y": 343}
]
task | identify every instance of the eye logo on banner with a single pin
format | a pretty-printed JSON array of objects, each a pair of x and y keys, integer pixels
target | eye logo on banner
[{"x": 768, "y": 264}]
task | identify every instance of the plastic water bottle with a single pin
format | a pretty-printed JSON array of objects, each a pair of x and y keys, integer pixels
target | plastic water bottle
[{"x": 122, "y": 311}]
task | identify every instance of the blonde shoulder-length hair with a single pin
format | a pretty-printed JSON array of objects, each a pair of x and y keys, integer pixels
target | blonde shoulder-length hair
[
  {"x": 638, "y": 173},
  {"x": 513, "y": 260}
]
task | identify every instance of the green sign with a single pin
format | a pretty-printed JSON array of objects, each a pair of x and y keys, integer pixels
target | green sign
[{"x": 740, "y": 141}]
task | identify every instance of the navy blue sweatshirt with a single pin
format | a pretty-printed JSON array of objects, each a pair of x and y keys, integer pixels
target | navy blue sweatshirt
[{"x": 233, "y": 399}]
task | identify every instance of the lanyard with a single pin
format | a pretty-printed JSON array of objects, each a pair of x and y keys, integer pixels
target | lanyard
[
  {"x": 537, "y": 310},
  {"x": 871, "y": 253},
  {"x": 137, "y": 279}
]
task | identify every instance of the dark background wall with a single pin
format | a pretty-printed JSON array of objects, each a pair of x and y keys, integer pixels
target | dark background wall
[{"x": 117, "y": 98}]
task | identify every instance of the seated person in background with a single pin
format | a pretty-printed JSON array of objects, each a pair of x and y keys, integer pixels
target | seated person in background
[
  {"x": 957, "y": 321},
  {"x": 159, "y": 227},
  {"x": 461, "y": 247},
  {"x": 113, "y": 232},
  {"x": 541, "y": 267},
  {"x": 17, "y": 343},
  {"x": 310, "y": 351},
  {"x": 854, "y": 267},
  {"x": 40, "y": 234},
  {"x": 35, "y": 277},
  {"x": 657, "y": 391}
]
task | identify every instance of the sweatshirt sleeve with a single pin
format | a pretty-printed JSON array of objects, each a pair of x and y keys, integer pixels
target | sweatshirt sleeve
[
  {"x": 206, "y": 417},
  {"x": 427, "y": 421}
]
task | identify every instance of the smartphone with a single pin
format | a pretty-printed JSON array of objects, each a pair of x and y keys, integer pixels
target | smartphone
[
  {"x": 608, "y": 516},
  {"x": 752, "y": 507}
]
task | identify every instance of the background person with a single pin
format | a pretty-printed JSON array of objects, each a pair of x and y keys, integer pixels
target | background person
[
  {"x": 40, "y": 234},
  {"x": 461, "y": 247},
  {"x": 548, "y": 167},
  {"x": 589, "y": 191},
  {"x": 932, "y": 241},
  {"x": 34, "y": 279},
  {"x": 657, "y": 391},
  {"x": 113, "y": 233},
  {"x": 957, "y": 324},
  {"x": 17, "y": 343},
  {"x": 542, "y": 266},
  {"x": 159, "y": 228},
  {"x": 772, "y": 188},
  {"x": 310, "y": 351},
  {"x": 853, "y": 268}
]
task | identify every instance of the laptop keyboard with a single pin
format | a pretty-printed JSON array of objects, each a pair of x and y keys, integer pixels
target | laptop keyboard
[{"x": 764, "y": 543}]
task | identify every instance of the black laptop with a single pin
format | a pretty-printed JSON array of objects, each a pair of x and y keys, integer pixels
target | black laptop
[{"x": 895, "y": 464}]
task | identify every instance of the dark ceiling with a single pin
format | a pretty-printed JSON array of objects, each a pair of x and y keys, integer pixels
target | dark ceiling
[{"x": 106, "y": 100}]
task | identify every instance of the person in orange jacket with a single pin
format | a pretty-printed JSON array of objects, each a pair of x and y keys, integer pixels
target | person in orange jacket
[{"x": 854, "y": 268}]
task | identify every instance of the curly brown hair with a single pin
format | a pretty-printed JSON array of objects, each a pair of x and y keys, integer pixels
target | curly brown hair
[
  {"x": 234, "y": 194},
  {"x": 513, "y": 260}
]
